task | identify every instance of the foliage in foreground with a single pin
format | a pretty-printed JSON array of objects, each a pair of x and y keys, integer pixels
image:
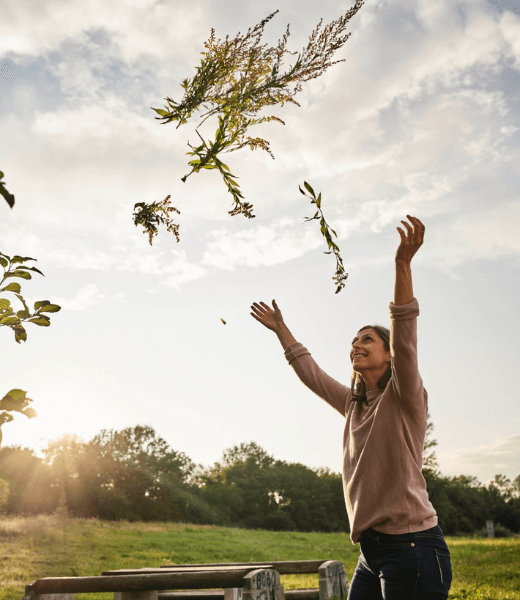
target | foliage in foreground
[{"x": 16, "y": 400}]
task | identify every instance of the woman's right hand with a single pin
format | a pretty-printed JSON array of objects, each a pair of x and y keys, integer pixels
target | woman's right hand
[{"x": 272, "y": 319}]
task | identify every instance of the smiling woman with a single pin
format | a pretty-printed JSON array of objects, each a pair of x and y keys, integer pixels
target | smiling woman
[
  {"x": 403, "y": 550},
  {"x": 373, "y": 369}
]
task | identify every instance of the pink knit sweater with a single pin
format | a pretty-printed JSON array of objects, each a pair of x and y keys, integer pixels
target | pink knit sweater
[{"x": 383, "y": 442}]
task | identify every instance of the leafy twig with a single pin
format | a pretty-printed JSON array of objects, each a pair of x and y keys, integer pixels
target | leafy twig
[
  {"x": 340, "y": 275},
  {"x": 148, "y": 216},
  {"x": 7, "y": 316},
  {"x": 236, "y": 79}
]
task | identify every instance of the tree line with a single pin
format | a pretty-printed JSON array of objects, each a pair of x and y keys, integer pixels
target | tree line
[{"x": 134, "y": 475}]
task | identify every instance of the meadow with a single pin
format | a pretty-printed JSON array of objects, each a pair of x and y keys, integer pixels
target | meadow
[{"x": 58, "y": 546}]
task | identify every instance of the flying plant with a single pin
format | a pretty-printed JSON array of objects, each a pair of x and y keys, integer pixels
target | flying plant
[
  {"x": 340, "y": 275},
  {"x": 236, "y": 79}
]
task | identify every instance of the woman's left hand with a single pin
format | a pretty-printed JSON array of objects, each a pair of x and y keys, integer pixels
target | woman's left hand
[{"x": 409, "y": 243}]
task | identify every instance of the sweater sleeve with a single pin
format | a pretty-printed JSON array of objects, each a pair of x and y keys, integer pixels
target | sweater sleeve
[
  {"x": 323, "y": 385},
  {"x": 403, "y": 346}
]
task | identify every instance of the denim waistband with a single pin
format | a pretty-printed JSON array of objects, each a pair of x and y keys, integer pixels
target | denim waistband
[{"x": 428, "y": 537}]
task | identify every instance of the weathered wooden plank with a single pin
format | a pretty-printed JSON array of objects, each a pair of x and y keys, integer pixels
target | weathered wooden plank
[
  {"x": 186, "y": 569},
  {"x": 139, "y": 582},
  {"x": 284, "y": 567},
  {"x": 333, "y": 581}
]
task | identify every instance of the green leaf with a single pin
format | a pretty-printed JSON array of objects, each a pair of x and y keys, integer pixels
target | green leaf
[
  {"x": 23, "y": 302},
  {"x": 14, "y": 400},
  {"x": 21, "y": 259},
  {"x": 51, "y": 308},
  {"x": 5, "y": 304},
  {"x": 3, "y": 262},
  {"x": 10, "y": 321},
  {"x": 31, "y": 269},
  {"x": 8, "y": 197},
  {"x": 318, "y": 201},
  {"x": 21, "y": 274},
  {"x": 309, "y": 188},
  {"x": 161, "y": 112},
  {"x": 41, "y": 303},
  {"x": 41, "y": 321},
  {"x": 12, "y": 287},
  {"x": 20, "y": 335},
  {"x": 23, "y": 314}
]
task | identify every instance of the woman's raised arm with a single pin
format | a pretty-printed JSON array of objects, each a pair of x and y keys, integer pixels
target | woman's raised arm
[{"x": 403, "y": 292}]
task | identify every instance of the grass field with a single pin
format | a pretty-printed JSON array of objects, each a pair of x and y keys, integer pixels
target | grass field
[{"x": 50, "y": 546}]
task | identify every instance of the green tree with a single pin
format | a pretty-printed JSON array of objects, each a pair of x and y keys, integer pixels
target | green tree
[{"x": 31, "y": 489}]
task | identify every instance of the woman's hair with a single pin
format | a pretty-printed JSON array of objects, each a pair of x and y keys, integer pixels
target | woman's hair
[{"x": 359, "y": 394}]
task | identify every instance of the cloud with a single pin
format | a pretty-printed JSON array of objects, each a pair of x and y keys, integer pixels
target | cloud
[
  {"x": 134, "y": 28},
  {"x": 89, "y": 295},
  {"x": 261, "y": 246},
  {"x": 500, "y": 457}
]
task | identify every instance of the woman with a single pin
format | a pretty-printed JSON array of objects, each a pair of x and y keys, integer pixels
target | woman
[{"x": 404, "y": 555}]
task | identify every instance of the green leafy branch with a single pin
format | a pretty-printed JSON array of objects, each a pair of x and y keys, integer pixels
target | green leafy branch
[
  {"x": 7, "y": 315},
  {"x": 9, "y": 198},
  {"x": 148, "y": 215},
  {"x": 236, "y": 79},
  {"x": 15, "y": 400},
  {"x": 340, "y": 275}
]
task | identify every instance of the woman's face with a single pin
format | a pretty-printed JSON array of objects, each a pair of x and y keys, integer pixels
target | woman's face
[{"x": 368, "y": 352}]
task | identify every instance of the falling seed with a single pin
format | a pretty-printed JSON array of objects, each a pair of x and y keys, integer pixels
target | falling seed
[{"x": 222, "y": 320}]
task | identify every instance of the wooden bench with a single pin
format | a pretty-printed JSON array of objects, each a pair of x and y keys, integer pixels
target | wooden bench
[
  {"x": 235, "y": 581},
  {"x": 257, "y": 584},
  {"x": 333, "y": 581}
]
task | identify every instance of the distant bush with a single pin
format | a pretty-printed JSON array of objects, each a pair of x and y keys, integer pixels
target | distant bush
[{"x": 500, "y": 531}]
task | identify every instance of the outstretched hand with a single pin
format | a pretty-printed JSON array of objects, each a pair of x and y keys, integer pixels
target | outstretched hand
[
  {"x": 272, "y": 319},
  {"x": 409, "y": 243}
]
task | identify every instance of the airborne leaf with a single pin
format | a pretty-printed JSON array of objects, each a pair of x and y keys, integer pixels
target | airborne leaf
[{"x": 309, "y": 188}]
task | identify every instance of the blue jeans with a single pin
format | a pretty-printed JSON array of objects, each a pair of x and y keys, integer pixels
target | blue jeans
[{"x": 411, "y": 566}]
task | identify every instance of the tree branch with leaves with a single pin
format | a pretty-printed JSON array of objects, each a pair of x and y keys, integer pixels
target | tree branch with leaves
[{"x": 16, "y": 400}]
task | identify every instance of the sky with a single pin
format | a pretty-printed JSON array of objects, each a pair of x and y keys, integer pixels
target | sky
[{"x": 421, "y": 118}]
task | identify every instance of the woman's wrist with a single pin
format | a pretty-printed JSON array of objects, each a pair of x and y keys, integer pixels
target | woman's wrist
[{"x": 285, "y": 336}]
